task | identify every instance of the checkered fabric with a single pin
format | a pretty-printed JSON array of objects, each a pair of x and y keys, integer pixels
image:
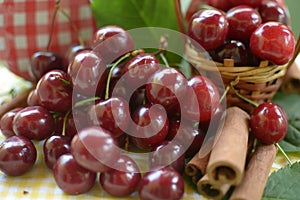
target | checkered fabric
[{"x": 25, "y": 26}]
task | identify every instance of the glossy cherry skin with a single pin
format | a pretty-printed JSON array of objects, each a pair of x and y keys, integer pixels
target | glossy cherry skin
[
  {"x": 95, "y": 149},
  {"x": 72, "y": 52},
  {"x": 6, "y": 122},
  {"x": 54, "y": 90},
  {"x": 17, "y": 155},
  {"x": 168, "y": 153},
  {"x": 243, "y": 20},
  {"x": 273, "y": 41},
  {"x": 140, "y": 68},
  {"x": 88, "y": 73},
  {"x": 34, "y": 122},
  {"x": 71, "y": 177},
  {"x": 112, "y": 114},
  {"x": 112, "y": 42},
  {"x": 208, "y": 27},
  {"x": 271, "y": 11},
  {"x": 220, "y": 4},
  {"x": 160, "y": 184},
  {"x": 232, "y": 49},
  {"x": 44, "y": 61},
  {"x": 203, "y": 99},
  {"x": 252, "y": 3},
  {"x": 150, "y": 126},
  {"x": 123, "y": 179},
  {"x": 269, "y": 123},
  {"x": 53, "y": 147},
  {"x": 166, "y": 87},
  {"x": 33, "y": 98}
]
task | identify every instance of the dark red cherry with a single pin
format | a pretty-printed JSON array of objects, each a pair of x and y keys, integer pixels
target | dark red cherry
[
  {"x": 95, "y": 149},
  {"x": 167, "y": 87},
  {"x": 111, "y": 114},
  {"x": 243, "y": 21},
  {"x": 88, "y": 73},
  {"x": 220, "y": 4},
  {"x": 33, "y": 98},
  {"x": 43, "y": 62},
  {"x": 54, "y": 90},
  {"x": 208, "y": 27},
  {"x": 71, "y": 177},
  {"x": 271, "y": 11},
  {"x": 269, "y": 123},
  {"x": 17, "y": 155},
  {"x": 160, "y": 184},
  {"x": 150, "y": 127},
  {"x": 123, "y": 180},
  {"x": 72, "y": 52},
  {"x": 53, "y": 147},
  {"x": 6, "y": 122},
  {"x": 112, "y": 42},
  {"x": 33, "y": 122},
  {"x": 252, "y": 3}
]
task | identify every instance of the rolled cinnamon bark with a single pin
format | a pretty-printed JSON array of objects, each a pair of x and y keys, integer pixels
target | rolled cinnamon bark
[
  {"x": 228, "y": 156},
  {"x": 196, "y": 167},
  {"x": 211, "y": 191},
  {"x": 256, "y": 175}
]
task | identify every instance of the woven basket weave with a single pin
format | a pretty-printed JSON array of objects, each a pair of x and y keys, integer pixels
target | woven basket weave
[{"x": 257, "y": 83}]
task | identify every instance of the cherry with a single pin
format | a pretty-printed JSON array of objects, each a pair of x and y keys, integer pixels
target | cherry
[
  {"x": 269, "y": 123},
  {"x": 168, "y": 153},
  {"x": 44, "y": 61},
  {"x": 273, "y": 41},
  {"x": 123, "y": 179},
  {"x": 33, "y": 122},
  {"x": 71, "y": 177},
  {"x": 112, "y": 42},
  {"x": 53, "y": 147},
  {"x": 161, "y": 183},
  {"x": 203, "y": 99},
  {"x": 232, "y": 49},
  {"x": 140, "y": 68},
  {"x": 88, "y": 73},
  {"x": 220, "y": 4},
  {"x": 243, "y": 20},
  {"x": 33, "y": 98},
  {"x": 166, "y": 87},
  {"x": 54, "y": 90},
  {"x": 72, "y": 52},
  {"x": 209, "y": 28},
  {"x": 150, "y": 127},
  {"x": 95, "y": 149},
  {"x": 253, "y": 3},
  {"x": 6, "y": 122},
  {"x": 194, "y": 6},
  {"x": 17, "y": 155},
  {"x": 111, "y": 114},
  {"x": 271, "y": 11}
]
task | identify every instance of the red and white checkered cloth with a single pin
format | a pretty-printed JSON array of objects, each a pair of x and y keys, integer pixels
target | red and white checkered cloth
[{"x": 25, "y": 26}]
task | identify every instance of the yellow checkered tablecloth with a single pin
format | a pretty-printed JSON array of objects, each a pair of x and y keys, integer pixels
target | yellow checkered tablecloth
[{"x": 39, "y": 182}]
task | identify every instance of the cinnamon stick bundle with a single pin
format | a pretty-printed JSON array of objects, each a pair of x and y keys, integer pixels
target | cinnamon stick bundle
[
  {"x": 211, "y": 190},
  {"x": 228, "y": 157},
  {"x": 196, "y": 167},
  {"x": 256, "y": 175}
]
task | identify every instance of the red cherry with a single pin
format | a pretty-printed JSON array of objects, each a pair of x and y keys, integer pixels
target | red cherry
[{"x": 273, "y": 41}]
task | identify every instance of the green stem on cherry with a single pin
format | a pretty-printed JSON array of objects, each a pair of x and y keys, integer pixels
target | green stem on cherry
[
  {"x": 284, "y": 154},
  {"x": 86, "y": 101},
  {"x": 64, "y": 81},
  {"x": 52, "y": 23},
  {"x": 80, "y": 40},
  {"x": 225, "y": 93},
  {"x": 65, "y": 122},
  {"x": 244, "y": 98},
  {"x": 127, "y": 55}
]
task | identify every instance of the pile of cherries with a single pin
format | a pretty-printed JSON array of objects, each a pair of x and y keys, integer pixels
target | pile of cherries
[
  {"x": 245, "y": 31},
  {"x": 95, "y": 105}
]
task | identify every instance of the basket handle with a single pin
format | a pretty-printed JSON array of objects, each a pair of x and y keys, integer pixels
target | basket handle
[
  {"x": 297, "y": 51},
  {"x": 179, "y": 16}
]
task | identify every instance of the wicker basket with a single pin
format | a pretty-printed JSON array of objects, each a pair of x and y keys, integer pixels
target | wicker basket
[{"x": 258, "y": 84}]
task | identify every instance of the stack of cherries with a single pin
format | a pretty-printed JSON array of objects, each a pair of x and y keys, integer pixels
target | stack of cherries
[{"x": 242, "y": 30}]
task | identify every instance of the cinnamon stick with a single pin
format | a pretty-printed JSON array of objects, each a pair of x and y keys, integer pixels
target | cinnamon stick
[
  {"x": 211, "y": 190},
  {"x": 256, "y": 175},
  {"x": 228, "y": 156},
  {"x": 196, "y": 167}
]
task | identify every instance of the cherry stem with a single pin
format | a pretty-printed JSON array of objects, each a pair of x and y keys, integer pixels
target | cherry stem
[
  {"x": 225, "y": 93},
  {"x": 80, "y": 40},
  {"x": 65, "y": 122},
  {"x": 127, "y": 55},
  {"x": 52, "y": 24},
  {"x": 64, "y": 81},
  {"x": 284, "y": 154},
  {"x": 243, "y": 97},
  {"x": 86, "y": 101},
  {"x": 179, "y": 16}
]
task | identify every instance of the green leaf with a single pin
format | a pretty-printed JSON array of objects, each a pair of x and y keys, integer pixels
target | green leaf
[
  {"x": 135, "y": 13},
  {"x": 290, "y": 103},
  {"x": 283, "y": 184}
]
